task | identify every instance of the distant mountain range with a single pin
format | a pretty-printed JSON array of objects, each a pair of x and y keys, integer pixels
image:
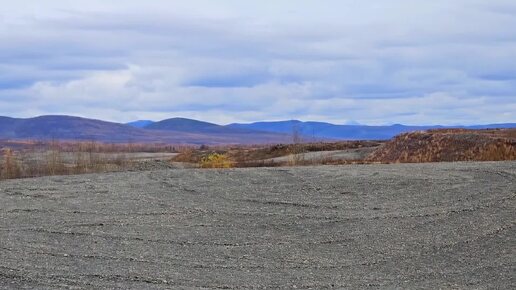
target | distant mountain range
[
  {"x": 174, "y": 131},
  {"x": 321, "y": 130},
  {"x": 188, "y": 131},
  {"x": 308, "y": 130},
  {"x": 194, "y": 126}
]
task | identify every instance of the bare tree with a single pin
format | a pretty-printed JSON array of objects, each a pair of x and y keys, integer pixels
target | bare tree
[{"x": 296, "y": 148}]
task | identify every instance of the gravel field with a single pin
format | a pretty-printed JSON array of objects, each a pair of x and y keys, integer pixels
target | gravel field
[
  {"x": 349, "y": 154},
  {"x": 409, "y": 226}
]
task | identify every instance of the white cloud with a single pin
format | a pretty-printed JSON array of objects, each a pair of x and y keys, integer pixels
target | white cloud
[{"x": 377, "y": 62}]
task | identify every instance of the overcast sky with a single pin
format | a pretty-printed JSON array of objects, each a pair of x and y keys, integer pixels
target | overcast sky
[{"x": 373, "y": 62}]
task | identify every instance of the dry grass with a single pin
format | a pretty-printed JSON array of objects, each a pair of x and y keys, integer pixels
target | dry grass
[
  {"x": 89, "y": 146},
  {"x": 426, "y": 146},
  {"x": 187, "y": 154},
  {"x": 64, "y": 158},
  {"x": 260, "y": 156},
  {"x": 52, "y": 163},
  {"x": 33, "y": 159},
  {"x": 10, "y": 165},
  {"x": 449, "y": 145}
]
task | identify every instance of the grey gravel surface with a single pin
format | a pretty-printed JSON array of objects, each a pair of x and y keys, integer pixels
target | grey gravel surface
[
  {"x": 348, "y": 154},
  {"x": 412, "y": 226}
]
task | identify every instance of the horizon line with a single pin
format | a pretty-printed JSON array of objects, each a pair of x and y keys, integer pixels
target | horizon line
[{"x": 262, "y": 121}]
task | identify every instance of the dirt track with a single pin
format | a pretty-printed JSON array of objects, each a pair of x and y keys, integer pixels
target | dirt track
[{"x": 448, "y": 225}]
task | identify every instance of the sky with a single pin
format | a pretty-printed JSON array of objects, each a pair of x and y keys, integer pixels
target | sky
[{"x": 375, "y": 62}]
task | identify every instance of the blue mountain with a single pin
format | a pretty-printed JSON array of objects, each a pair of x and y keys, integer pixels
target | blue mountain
[
  {"x": 140, "y": 123},
  {"x": 321, "y": 130},
  {"x": 177, "y": 131},
  {"x": 195, "y": 126}
]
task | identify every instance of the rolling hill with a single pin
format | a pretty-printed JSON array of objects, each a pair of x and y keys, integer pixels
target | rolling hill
[
  {"x": 82, "y": 129},
  {"x": 188, "y": 131},
  {"x": 195, "y": 126},
  {"x": 67, "y": 127}
]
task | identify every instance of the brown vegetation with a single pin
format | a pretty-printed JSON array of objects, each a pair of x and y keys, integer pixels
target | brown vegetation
[
  {"x": 448, "y": 145},
  {"x": 10, "y": 166},
  {"x": 88, "y": 146},
  {"x": 260, "y": 156},
  {"x": 32, "y": 159},
  {"x": 19, "y": 159}
]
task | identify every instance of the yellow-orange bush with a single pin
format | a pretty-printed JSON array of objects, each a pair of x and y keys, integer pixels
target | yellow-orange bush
[{"x": 216, "y": 160}]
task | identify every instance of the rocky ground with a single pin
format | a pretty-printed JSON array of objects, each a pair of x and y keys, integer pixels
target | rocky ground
[
  {"x": 334, "y": 155},
  {"x": 410, "y": 226}
]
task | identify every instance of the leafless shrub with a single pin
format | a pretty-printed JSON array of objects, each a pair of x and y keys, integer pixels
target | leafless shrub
[
  {"x": 10, "y": 165},
  {"x": 296, "y": 151},
  {"x": 62, "y": 159},
  {"x": 55, "y": 162}
]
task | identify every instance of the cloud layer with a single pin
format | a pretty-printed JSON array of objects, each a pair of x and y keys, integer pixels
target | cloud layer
[{"x": 375, "y": 62}]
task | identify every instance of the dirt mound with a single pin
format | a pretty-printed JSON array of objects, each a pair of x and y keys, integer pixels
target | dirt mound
[{"x": 448, "y": 145}]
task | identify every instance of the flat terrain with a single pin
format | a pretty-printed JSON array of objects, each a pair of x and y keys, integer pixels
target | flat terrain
[
  {"x": 441, "y": 225},
  {"x": 70, "y": 157},
  {"x": 337, "y": 155}
]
